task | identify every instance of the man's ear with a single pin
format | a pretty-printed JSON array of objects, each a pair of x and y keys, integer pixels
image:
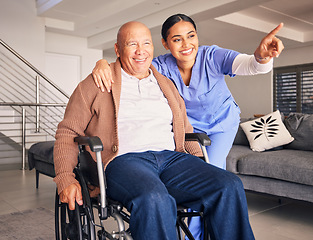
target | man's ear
[
  {"x": 164, "y": 44},
  {"x": 116, "y": 50}
]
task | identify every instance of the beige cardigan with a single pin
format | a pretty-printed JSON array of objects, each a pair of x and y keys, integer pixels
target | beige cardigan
[{"x": 91, "y": 112}]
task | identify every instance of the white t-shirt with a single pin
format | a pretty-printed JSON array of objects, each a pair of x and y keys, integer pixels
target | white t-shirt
[{"x": 144, "y": 118}]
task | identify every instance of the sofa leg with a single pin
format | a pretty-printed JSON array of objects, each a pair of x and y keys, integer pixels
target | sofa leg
[{"x": 37, "y": 178}]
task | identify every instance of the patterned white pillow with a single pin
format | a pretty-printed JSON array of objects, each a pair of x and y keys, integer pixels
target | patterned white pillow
[{"x": 266, "y": 132}]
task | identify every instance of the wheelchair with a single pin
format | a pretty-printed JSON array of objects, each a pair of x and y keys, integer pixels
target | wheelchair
[{"x": 81, "y": 224}]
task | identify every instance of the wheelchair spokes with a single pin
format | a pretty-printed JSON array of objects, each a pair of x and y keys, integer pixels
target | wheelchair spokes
[
  {"x": 70, "y": 223},
  {"x": 79, "y": 224},
  {"x": 115, "y": 211},
  {"x": 73, "y": 224}
]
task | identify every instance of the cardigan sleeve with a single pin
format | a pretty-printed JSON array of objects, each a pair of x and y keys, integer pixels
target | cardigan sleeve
[
  {"x": 76, "y": 118},
  {"x": 191, "y": 147}
]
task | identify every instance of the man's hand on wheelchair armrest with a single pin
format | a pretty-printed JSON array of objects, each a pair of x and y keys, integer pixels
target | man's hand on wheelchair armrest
[
  {"x": 72, "y": 194},
  {"x": 94, "y": 142},
  {"x": 201, "y": 138}
]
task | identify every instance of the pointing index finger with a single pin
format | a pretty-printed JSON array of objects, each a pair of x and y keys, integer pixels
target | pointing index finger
[{"x": 275, "y": 30}]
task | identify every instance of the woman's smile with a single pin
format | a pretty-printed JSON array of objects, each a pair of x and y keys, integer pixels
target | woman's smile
[{"x": 187, "y": 51}]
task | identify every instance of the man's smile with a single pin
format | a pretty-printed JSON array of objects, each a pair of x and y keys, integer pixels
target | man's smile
[{"x": 140, "y": 60}]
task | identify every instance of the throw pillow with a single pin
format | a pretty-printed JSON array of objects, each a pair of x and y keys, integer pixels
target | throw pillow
[
  {"x": 300, "y": 126},
  {"x": 241, "y": 138},
  {"x": 266, "y": 132}
]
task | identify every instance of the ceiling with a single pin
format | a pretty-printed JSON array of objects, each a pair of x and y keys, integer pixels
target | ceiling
[{"x": 235, "y": 24}]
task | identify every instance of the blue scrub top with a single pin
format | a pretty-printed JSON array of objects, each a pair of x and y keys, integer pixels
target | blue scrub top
[{"x": 210, "y": 106}]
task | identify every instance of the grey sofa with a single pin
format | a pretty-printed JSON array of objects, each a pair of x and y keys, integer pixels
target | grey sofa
[{"x": 286, "y": 171}]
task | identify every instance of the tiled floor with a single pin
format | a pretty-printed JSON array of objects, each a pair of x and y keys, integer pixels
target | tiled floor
[{"x": 270, "y": 220}]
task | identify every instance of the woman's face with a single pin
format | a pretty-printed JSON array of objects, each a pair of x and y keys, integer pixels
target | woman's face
[{"x": 182, "y": 41}]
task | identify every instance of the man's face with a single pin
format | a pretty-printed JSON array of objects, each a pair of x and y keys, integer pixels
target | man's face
[{"x": 135, "y": 49}]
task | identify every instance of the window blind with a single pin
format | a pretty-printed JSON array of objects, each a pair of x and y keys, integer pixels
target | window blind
[
  {"x": 307, "y": 91},
  {"x": 293, "y": 89}
]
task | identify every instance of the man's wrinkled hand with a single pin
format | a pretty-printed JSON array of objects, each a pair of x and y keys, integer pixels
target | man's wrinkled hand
[{"x": 71, "y": 194}]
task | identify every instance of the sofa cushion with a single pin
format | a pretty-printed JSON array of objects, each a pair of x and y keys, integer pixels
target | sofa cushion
[
  {"x": 278, "y": 187},
  {"x": 241, "y": 138},
  {"x": 300, "y": 127},
  {"x": 41, "y": 151},
  {"x": 289, "y": 165},
  {"x": 236, "y": 152},
  {"x": 266, "y": 132}
]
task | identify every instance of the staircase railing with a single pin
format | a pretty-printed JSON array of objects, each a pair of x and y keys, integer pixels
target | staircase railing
[{"x": 31, "y": 105}]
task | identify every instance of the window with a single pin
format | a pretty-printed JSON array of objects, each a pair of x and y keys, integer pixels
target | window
[{"x": 293, "y": 89}]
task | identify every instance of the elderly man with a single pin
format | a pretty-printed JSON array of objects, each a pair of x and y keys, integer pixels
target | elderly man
[{"x": 142, "y": 123}]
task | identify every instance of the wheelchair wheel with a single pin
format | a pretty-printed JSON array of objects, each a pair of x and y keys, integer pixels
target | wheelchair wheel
[{"x": 77, "y": 224}]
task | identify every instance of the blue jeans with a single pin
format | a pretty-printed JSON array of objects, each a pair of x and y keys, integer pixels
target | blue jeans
[
  {"x": 151, "y": 184},
  {"x": 221, "y": 144}
]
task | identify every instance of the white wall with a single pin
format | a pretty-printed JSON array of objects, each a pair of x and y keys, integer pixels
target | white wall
[
  {"x": 65, "y": 44},
  {"x": 64, "y": 69},
  {"x": 295, "y": 56},
  {"x": 252, "y": 93},
  {"x": 21, "y": 29},
  {"x": 71, "y": 46}
]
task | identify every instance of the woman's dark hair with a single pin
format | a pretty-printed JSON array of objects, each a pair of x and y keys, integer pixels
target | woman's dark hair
[{"x": 172, "y": 20}]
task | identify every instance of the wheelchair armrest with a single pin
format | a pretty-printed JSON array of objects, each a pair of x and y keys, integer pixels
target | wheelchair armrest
[
  {"x": 202, "y": 138},
  {"x": 94, "y": 143}
]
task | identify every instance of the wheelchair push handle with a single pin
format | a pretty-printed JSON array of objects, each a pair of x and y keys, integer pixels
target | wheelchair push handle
[{"x": 94, "y": 142}]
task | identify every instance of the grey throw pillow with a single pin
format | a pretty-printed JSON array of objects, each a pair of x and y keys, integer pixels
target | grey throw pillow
[
  {"x": 300, "y": 126},
  {"x": 241, "y": 138}
]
